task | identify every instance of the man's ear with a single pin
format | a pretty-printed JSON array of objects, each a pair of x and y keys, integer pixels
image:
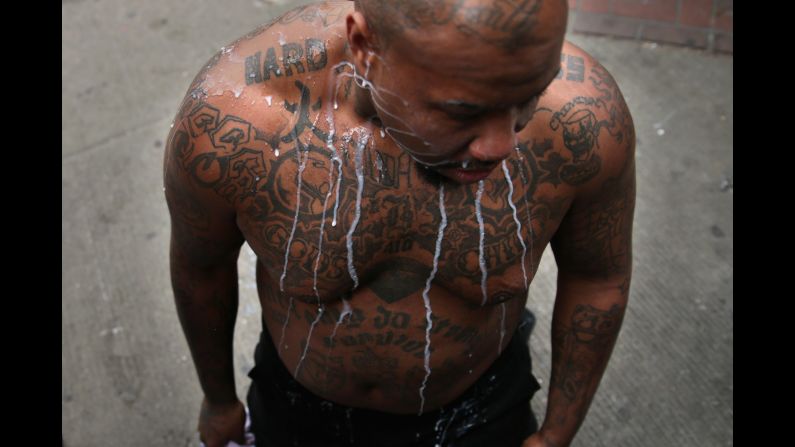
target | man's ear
[{"x": 361, "y": 40}]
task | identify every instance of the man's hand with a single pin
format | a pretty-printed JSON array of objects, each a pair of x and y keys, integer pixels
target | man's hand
[
  {"x": 219, "y": 424},
  {"x": 537, "y": 439}
]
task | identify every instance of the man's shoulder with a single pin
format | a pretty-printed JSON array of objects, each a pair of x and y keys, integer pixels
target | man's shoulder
[
  {"x": 245, "y": 99},
  {"x": 582, "y": 131},
  {"x": 581, "y": 76}
]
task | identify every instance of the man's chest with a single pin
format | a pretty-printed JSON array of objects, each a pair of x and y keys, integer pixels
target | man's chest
[{"x": 323, "y": 225}]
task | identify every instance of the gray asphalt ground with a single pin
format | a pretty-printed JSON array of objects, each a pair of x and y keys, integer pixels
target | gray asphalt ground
[{"x": 127, "y": 379}]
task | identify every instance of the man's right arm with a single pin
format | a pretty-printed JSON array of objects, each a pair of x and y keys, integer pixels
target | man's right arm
[{"x": 205, "y": 243}]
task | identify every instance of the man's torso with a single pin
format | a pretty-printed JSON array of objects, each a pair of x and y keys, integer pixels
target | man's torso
[{"x": 346, "y": 226}]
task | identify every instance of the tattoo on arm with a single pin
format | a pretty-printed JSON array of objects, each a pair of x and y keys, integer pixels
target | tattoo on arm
[
  {"x": 599, "y": 240},
  {"x": 610, "y": 229},
  {"x": 581, "y": 349}
]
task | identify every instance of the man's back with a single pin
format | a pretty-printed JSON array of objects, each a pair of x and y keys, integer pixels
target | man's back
[{"x": 383, "y": 285}]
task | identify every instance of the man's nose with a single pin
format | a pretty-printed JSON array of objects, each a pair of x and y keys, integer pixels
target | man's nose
[{"x": 496, "y": 139}]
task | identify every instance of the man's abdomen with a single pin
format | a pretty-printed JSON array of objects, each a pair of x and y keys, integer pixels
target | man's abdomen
[{"x": 365, "y": 351}]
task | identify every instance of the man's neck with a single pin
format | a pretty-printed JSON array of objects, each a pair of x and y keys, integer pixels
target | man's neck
[
  {"x": 363, "y": 103},
  {"x": 362, "y": 100}
]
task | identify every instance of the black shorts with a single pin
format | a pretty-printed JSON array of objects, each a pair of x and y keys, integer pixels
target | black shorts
[{"x": 494, "y": 411}]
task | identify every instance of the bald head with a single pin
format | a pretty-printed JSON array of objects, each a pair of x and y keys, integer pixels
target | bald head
[{"x": 506, "y": 24}]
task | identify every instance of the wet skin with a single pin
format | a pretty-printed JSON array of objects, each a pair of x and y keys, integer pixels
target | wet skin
[{"x": 252, "y": 139}]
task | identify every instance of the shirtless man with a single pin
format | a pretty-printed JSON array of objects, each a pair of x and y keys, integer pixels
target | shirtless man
[{"x": 398, "y": 167}]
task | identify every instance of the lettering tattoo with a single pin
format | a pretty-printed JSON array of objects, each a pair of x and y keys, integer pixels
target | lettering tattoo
[
  {"x": 573, "y": 67},
  {"x": 295, "y": 58},
  {"x": 384, "y": 346},
  {"x": 394, "y": 328}
]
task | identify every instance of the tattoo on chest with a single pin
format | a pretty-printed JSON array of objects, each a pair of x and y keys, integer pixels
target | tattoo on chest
[{"x": 302, "y": 199}]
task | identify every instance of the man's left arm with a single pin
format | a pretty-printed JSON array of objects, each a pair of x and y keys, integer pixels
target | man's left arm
[{"x": 593, "y": 251}]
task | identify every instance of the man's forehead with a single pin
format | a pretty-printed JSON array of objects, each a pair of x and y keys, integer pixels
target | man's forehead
[
  {"x": 485, "y": 99},
  {"x": 532, "y": 91},
  {"x": 533, "y": 64}
]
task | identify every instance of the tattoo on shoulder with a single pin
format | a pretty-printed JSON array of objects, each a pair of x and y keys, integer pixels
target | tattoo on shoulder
[
  {"x": 573, "y": 67},
  {"x": 585, "y": 124},
  {"x": 234, "y": 165},
  {"x": 296, "y": 58}
]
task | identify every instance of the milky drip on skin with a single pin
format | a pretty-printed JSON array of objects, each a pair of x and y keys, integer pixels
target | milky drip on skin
[
  {"x": 379, "y": 165},
  {"x": 347, "y": 311},
  {"x": 320, "y": 307},
  {"x": 334, "y": 159},
  {"x": 337, "y": 201},
  {"x": 334, "y": 69},
  {"x": 426, "y": 299},
  {"x": 509, "y": 181},
  {"x": 286, "y": 320},
  {"x": 526, "y": 205},
  {"x": 320, "y": 311},
  {"x": 301, "y": 165},
  {"x": 358, "y": 211},
  {"x": 329, "y": 142},
  {"x": 481, "y": 259},
  {"x": 515, "y": 219},
  {"x": 377, "y": 98}
]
